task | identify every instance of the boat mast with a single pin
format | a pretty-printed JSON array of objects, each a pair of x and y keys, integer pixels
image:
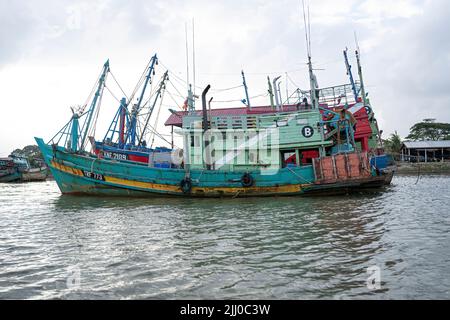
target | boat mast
[
  {"x": 349, "y": 73},
  {"x": 101, "y": 85},
  {"x": 270, "y": 93},
  {"x": 363, "y": 91},
  {"x": 246, "y": 89},
  {"x": 74, "y": 133},
  {"x": 158, "y": 94},
  {"x": 136, "y": 108},
  {"x": 122, "y": 118}
]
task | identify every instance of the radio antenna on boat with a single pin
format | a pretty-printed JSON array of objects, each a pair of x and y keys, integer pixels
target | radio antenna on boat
[
  {"x": 312, "y": 78},
  {"x": 187, "y": 56},
  {"x": 361, "y": 82},
  {"x": 193, "y": 52}
]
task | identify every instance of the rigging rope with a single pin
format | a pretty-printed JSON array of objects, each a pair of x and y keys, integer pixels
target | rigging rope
[
  {"x": 141, "y": 80},
  {"x": 112, "y": 94},
  {"x": 91, "y": 93},
  {"x": 120, "y": 87},
  {"x": 157, "y": 117}
]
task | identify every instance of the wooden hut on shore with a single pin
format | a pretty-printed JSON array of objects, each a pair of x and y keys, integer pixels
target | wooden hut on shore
[{"x": 425, "y": 151}]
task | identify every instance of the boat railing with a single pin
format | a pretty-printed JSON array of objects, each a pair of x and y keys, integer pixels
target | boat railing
[
  {"x": 337, "y": 95},
  {"x": 330, "y": 96}
]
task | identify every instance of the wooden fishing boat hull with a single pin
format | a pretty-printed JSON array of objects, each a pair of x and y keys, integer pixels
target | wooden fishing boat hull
[
  {"x": 87, "y": 174},
  {"x": 32, "y": 175}
]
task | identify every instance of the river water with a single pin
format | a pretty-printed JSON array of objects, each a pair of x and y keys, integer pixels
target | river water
[{"x": 66, "y": 247}]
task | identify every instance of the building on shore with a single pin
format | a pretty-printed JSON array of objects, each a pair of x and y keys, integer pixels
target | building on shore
[{"x": 425, "y": 151}]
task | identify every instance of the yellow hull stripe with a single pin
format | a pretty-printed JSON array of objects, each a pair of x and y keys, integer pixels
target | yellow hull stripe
[
  {"x": 142, "y": 185},
  {"x": 292, "y": 188},
  {"x": 67, "y": 169}
]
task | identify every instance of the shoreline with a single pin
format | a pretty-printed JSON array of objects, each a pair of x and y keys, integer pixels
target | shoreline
[{"x": 432, "y": 168}]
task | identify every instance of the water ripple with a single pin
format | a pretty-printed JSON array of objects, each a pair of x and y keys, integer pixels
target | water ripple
[{"x": 277, "y": 248}]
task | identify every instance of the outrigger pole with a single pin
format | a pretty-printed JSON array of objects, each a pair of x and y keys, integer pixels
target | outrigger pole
[
  {"x": 101, "y": 86},
  {"x": 158, "y": 93},
  {"x": 349, "y": 73},
  {"x": 136, "y": 109}
]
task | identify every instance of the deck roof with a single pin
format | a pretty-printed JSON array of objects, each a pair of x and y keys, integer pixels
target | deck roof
[
  {"x": 427, "y": 144},
  {"x": 176, "y": 118}
]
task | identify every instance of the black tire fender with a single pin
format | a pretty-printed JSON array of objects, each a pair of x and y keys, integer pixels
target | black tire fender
[
  {"x": 186, "y": 185},
  {"x": 247, "y": 180}
]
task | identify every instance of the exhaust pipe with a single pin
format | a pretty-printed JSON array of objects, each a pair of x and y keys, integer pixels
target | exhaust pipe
[
  {"x": 205, "y": 111},
  {"x": 205, "y": 123}
]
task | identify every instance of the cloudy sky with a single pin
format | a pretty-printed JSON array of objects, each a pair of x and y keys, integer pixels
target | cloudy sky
[{"x": 51, "y": 52}]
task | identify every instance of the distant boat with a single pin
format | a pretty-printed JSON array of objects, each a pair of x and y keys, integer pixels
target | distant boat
[
  {"x": 8, "y": 170},
  {"x": 35, "y": 174},
  {"x": 17, "y": 168}
]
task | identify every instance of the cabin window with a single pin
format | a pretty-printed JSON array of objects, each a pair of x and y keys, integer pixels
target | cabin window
[
  {"x": 252, "y": 156},
  {"x": 307, "y": 156},
  {"x": 288, "y": 158}
]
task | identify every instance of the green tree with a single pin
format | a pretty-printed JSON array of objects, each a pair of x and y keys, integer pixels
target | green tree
[
  {"x": 429, "y": 129},
  {"x": 393, "y": 144}
]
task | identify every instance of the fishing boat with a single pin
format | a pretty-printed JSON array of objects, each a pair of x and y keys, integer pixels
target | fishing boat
[
  {"x": 124, "y": 139},
  {"x": 8, "y": 170},
  {"x": 25, "y": 172},
  {"x": 308, "y": 147},
  {"x": 34, "y": 174}
]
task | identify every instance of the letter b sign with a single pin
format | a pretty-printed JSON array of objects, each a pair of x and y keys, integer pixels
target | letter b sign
[{"x": 307, "y": 132}]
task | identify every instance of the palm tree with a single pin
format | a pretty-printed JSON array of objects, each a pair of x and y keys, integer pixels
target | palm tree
[{"x": 394, "y": 144}]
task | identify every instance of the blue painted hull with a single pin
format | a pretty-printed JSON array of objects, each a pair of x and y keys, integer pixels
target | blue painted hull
[
  {"x": 10, "y": 177},
  {"x": 86, "y": 174}
]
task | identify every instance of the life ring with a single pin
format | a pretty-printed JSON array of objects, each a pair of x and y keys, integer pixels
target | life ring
[
  {"x": 247, "y": 180},
  {"x": 186, "y": 185}
]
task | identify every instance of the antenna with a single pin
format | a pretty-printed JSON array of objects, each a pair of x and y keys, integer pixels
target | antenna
[
  {"x": 312, "y": 78},
  {"x": 361, "y": 82},
  {"x": 187, "y": 56},
  {"x": 356, "y": 41},
  {"x": 193, "y": 51},
  {"x": 306, "y": 29},
  {"x": 287, "y": 89},
  {"x": 309, "y": 31}
]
